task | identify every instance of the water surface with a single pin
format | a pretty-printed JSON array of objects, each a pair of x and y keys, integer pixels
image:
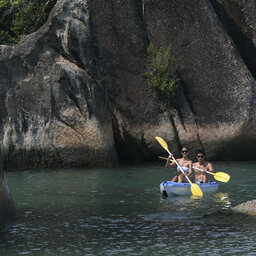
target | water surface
[{"x": 120, "y": 212}]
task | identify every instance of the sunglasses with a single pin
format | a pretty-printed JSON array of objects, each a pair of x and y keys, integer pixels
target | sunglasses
[
  {"x": 184, "y": 151},
  {"x": 200, "y": 156}
]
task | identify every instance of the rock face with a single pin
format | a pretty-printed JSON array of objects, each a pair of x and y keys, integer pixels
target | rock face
[
  {"x": 74, "y": 92},
  {"x": 248, "y": 208},
  {"x": 55, "y": 105},
  {"x": 218, "y": 85},
  {"x": 238, "y": 19}
]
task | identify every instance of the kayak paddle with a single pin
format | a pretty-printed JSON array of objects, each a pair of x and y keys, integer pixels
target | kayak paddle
[
  {"x": 220, "y": 176},
  {"x": 194, "y": 187}
]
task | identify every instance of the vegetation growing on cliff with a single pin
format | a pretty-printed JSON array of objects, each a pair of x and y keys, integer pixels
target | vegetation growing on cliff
[
  {"x": 21, "y": 17},
  {"x": 162, "y": 72}
]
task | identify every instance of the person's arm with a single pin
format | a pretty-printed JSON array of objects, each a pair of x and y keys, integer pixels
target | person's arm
[
  {"x": 210, "y": 168},
  {"x": 195, "y": 171},
  {"x": 190, "y": 168},
  {"x": 169, "y": 164}
]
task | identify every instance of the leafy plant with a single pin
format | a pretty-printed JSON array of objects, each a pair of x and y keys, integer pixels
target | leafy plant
[
  {"x": 162, "y": 72},
  {"x": 21, "y": 17}
]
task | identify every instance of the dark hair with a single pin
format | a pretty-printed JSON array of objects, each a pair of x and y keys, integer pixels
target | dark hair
[{"x": 200, "y": 152}]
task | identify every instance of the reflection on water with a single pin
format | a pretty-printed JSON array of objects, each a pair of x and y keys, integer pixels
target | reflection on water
[
  {"x": 121, "y": 212},
  {"x": 223, "y": 199}
]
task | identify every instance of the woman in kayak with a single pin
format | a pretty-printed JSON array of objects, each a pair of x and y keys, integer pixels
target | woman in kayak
[
  {"x": 202, "y": 176},
  {"x": 185, "y": 163}
]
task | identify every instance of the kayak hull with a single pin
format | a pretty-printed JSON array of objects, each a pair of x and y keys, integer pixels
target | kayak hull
[{"x": 168, "y": 188}]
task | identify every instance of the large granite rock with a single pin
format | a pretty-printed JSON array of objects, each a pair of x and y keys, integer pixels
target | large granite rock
[
  {"x": 219, "y": 88},
  {"x": 74, "y": 92},
  {"x": 55, "y": 109},
  {"x": 138, "y": 116}
]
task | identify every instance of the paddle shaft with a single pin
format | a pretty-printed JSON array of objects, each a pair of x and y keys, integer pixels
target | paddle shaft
[
  {"x": 220, "y": 176},
  {"x": 203, "y": 170}
]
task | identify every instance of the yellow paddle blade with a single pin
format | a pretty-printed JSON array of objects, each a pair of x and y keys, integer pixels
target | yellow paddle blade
[
  {"x": 221, "y": 176},
  {"x": 165, "y": 158},
  {"x": 162, "y": 157},
  {"x": 162, "y": 143},
  {"x": 196, "y": 190}
]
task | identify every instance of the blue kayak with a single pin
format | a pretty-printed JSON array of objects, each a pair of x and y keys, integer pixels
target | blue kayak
[{"x": 168, "y": 188}]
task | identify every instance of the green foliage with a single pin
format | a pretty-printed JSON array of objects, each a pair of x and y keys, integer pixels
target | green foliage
[
  {"x": 162, "y": 72},
  {"x": 3, "y": 3},
  {"x": 27, "y": 19},
  {"x": 21, "y": 17}
]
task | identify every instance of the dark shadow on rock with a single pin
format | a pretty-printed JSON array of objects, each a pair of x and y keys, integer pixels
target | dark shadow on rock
[{"x": 243, "y": 43}]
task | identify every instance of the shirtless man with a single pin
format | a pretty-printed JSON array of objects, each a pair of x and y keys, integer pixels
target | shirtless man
[
  {"x": 184, "y": 162},
  {"x": 205, "y": 166}
]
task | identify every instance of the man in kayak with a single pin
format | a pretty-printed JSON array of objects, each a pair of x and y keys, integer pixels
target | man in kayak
[
  {"x": 185, "y": 163},
  {"x": 202, "y": 176}
]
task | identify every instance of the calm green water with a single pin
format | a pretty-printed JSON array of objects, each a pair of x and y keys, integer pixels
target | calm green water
[{"x": 121, "y": 212}]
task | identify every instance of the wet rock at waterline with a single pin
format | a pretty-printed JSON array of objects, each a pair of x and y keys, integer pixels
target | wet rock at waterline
[
  {"x": 248, "y": 208},
  {"x": 7, "y": 211},
  {"x": 74, "y": 92}
]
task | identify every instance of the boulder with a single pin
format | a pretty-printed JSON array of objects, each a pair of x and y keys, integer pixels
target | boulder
[
  {"x": 218, "y": 86},
  {"x": 55, "y": 109},
  {"x": 138, "y": 114},
  {"x": 248, "y": 208}
]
